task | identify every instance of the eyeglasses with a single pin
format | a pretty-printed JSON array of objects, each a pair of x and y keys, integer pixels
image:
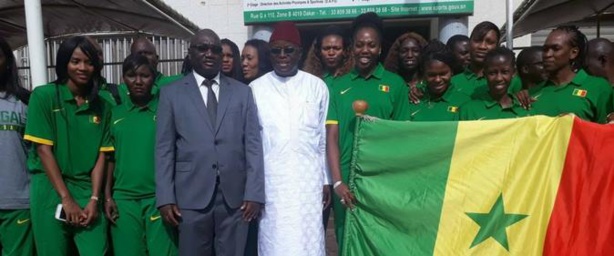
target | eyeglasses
[
  {"x": 286, "y": 50},
  {"x": 216, "y": 49}
]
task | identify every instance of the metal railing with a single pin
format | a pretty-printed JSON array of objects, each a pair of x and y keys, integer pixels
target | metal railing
[{"x": 116, "y": 48}]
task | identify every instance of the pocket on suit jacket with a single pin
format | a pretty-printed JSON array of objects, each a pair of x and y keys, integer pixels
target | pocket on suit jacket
[{"x": 183, "y": 166}]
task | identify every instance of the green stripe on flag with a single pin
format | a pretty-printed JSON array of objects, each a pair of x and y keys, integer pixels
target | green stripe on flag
[{"x": 399, "y": 198}]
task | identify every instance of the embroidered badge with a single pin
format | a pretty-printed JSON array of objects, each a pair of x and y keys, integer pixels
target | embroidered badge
[
  {"x": 95, "y": 119},
  {"x": 452, "y": 109},
  {"x": 579, "y": 93},
  {"x": 384, "y": 88}
]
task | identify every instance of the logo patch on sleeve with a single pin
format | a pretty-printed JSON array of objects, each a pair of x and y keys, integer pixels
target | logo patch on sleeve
[
  {"x": 384, "y": 88},
  {"x": 452, "y": 109},
  {"x": 579, "y": 93}
]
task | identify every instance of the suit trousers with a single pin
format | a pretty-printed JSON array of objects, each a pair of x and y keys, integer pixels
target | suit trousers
[{"x": 216, "y": 230}]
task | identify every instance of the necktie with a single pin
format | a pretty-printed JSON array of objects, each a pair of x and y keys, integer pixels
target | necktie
[{"x": 211, "y": 101}]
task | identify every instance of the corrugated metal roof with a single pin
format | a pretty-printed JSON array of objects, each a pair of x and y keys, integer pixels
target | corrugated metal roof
[
  {"x": 539, "y": 37},
  {"x": 66, "y": 17},
  {"x": 535, "y": 15}
]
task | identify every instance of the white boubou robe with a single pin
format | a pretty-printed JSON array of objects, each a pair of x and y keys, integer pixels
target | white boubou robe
[{"x": 292, "y": 112}]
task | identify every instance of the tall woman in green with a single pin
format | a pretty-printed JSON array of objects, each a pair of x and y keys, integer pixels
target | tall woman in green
[
  {"x": 130, "y": 203},
  {"x": 386, "y": 94},
  {"x": 439, "y": 102},
  {"x": 68, "y": 123}
]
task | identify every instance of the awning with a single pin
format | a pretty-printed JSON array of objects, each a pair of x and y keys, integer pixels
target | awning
[
  {"x": 534, "y": 15},
  {"x": 65, "y": 17}
]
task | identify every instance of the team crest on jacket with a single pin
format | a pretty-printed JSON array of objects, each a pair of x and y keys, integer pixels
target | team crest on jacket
[
  {"x": 384, "y": 88},
  {"x": 95, "y": 119},
  {"x": 579, "y": 92}
]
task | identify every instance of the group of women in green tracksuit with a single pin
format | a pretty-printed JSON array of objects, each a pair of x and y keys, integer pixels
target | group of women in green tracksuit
[
  {"x": 75, "y": 133},
  {"x": 487, "y": 88}
]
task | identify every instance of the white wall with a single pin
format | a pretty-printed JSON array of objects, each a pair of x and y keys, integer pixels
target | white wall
[
  {"x": 494, "y": 11},
  {"x": 226, "y": 16}
]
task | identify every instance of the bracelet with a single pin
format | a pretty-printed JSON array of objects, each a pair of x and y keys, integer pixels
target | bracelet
[
  {"x": 95, "y": 198},
  {"x": 337, "y": 184}
]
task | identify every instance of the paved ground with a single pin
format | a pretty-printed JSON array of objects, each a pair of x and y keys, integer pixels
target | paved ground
[{"x": 331, "y": 243}]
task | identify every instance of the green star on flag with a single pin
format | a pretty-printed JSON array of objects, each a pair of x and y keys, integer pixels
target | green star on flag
[{"x": 494, "y": 224}]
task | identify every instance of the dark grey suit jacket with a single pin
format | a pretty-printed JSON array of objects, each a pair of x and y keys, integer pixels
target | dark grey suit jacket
[{"x": 190, "y": 151}]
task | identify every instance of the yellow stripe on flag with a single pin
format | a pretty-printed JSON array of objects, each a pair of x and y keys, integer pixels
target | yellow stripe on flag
[{"x": 510, "y": 164}]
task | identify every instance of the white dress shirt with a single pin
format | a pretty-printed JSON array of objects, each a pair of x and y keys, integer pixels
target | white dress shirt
[{"x": 203, "y": 89}]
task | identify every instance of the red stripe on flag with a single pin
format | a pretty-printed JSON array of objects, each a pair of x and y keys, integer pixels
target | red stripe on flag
[{"x": 582, "y": 221}]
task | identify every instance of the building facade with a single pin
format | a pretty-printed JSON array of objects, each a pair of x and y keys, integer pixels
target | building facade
[{"x": 227, "y": 18}]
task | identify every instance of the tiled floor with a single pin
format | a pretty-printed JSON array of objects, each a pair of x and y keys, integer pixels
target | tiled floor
[{"x": 331, "y": 243}]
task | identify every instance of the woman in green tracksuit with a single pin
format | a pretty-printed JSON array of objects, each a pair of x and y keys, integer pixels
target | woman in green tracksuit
[
  {"x": 68, "y": 123},
  {"x": 440, "y": 101},
  {"x": 130, "y": 189},
  {"x": 384, "y": 91}
]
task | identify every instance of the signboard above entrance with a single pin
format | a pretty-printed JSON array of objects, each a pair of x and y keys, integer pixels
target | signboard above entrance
[{"x": 264, "y": 11}]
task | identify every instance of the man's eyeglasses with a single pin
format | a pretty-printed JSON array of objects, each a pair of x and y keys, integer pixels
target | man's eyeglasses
[
  {"x": 286, "y": 50},
  {"x": 216, "y": 49}
]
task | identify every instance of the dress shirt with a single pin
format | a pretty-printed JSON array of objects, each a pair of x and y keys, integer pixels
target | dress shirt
[{"x": 203, "y": 89}]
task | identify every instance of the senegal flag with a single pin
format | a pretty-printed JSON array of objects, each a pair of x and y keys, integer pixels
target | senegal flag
[{"x": 529, "y": 186}]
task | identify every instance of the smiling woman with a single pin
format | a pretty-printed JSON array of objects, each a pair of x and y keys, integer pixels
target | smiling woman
[
  {"x": 255, "y": 60},
  {"x": 498, "y": 103},
  {"x": 68, "y": 124},
  {"x": 472, "y": 82},
  {"x": 404, "y": 55},
  {"x": 384, "y": 91},
  {"x": 439, "y": 102}
]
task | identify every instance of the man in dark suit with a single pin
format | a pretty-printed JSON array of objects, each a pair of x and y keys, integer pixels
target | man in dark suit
[{"x": 209, "y": 163}]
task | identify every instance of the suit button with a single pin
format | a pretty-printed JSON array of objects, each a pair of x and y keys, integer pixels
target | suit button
[{"x": 214, "y": 166}]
